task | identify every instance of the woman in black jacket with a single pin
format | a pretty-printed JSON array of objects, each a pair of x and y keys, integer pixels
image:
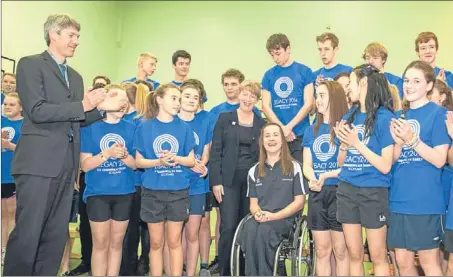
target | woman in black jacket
[{"x": 234, "y": 151}]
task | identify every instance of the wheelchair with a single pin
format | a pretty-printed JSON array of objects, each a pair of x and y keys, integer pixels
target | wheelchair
[{"x": 297, "y": 247}]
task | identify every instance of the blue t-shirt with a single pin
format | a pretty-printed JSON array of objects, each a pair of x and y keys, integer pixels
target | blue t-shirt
[
  {"x": 200, "y": 128},
  {"x": 3, "y": 97},
  {"x": 331, "y": 73},
  {"x": 130, "y": 116},
  {"x": 178, "y": 84},
  {"x": 396, "y": 81},
  {"x": 224, "y": 107},
  {"x": 448, "y": 76},
  {"x": 156, "y": 84},
  {"x": 151, "y": 139},
  {"x": 113, "y": 177},
  {"x": 356, "y": 169},
  {"x": 286, "y": 86},
  {"x": 447, "y": 179},
  {"x": 324, "y": 154},
  {"x": 416, "y": 185},
  {"x": 13, "y": 128}
]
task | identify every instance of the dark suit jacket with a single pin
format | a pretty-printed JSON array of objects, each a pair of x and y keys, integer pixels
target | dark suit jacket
[
  {"x": 50, "y": 109},
  {"x": 225, "y": 145}
]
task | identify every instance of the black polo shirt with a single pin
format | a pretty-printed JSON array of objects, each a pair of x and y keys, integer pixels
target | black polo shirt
[{"x": 275, "y": 191}]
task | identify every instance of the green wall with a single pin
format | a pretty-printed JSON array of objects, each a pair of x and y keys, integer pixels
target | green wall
[
  {"x": 23, "y": 33},
  {"x": 220, "y": 35}
]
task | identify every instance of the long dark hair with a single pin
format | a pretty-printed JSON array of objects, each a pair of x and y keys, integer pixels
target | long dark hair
[
  {"x": 338, "y": 107},
  {"x": 378, "y": 95},
  {"x": 286, "y": 161}
]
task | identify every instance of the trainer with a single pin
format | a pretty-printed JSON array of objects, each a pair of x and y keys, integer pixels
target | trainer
[{"x": 47, "y": 154}]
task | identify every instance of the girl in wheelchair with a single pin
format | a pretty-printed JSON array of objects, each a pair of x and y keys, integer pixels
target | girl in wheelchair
[{"x": 276, "y": 193}]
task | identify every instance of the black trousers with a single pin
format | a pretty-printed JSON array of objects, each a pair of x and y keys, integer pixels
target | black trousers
[
  {"x": 36, "y": 245},
  {"x": 136, "y": 230},
  {"x": 86, "y": 241},
  {"x": 233, "y": 208},
  {"x": 259, "y": 241}
]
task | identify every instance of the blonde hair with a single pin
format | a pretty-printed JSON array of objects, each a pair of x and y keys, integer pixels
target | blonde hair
[
  {"x": 394, "y": 92},
  {"x": 58, "y": 22},
  {"x": 376, "y": 49},
  {"x": 14, "y": 95},
  {"x": 137, "y": 95},
  {"x": 9, "y": 74},
  {"x": 144, "y": 56},
  {"x": 252, "y": 86}
]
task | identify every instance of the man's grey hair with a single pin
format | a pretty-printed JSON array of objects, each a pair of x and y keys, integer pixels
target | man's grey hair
[{"x": 58, "y": 22}]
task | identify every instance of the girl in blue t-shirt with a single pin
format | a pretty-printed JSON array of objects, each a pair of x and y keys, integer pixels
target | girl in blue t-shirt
[
  {"x": 11, "y": 126},
  {"x": 106, "y": 156},
  {"x": 442, "y": 96},
  {"x": 416, "y": 195},
  {"x": 164, "y": 147},
  {"x": 191, "y": 99},
  {"x": 136, "y": 95},
  {"x": 366, "y": 153},
  {"x": 448, "y": 241},
  {"x": 321, "y": 169}
]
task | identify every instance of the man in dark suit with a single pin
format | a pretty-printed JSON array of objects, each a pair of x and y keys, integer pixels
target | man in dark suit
[{"x": 46, "y": 158}]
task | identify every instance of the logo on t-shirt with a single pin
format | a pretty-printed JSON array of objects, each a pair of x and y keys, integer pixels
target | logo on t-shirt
[
  {"x": 283, "y": 87},
  {"x": 197, "y": 139},
  {"x": 108, "y": 140},
  {"x": 361, "y": 133},
  {"x": 10, "y": 131},
  {"x": 320, "y": 153},
  {"x": 165, "y": 142},
  {"x": 415, "y": 127}
]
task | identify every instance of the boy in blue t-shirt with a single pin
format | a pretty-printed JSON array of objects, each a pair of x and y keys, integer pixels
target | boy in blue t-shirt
[
  {"x": 181, "y": 61},
  {"x": 107, "y": 158},
  {"x": 376, "y": 54},
  {"x": 328, "y": 48},
  {"x": 426, "y": 47},
  {"x": 288, "y": 95},
  {"x": 146, "y": 66}
]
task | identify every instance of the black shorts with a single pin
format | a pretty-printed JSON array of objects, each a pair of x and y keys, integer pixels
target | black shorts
[
  {"x": 448, "y": 241},
  {"x": 164, "y": 205},
  {"x": 211, "y": 201},
  {"x": 414, "y": 232},
  {"x": 8, "y": 190},
  {"x": 101, "y": 208},
  {"x": 366, "y": 206},
  {"x": 322, "y": 210}
]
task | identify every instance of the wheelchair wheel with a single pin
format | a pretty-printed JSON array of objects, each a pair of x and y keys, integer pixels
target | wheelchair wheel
[
  {"x": 303, "y": 256},
  {"x": 277, "y": 259},
  {"x": 236, "y": 248}
]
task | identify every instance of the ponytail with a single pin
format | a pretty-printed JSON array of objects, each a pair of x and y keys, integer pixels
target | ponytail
[{"x": 152, "y": 107}]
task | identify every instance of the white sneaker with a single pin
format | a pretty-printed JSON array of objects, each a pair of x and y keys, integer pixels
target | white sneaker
[{"x": 3, "y": 255}]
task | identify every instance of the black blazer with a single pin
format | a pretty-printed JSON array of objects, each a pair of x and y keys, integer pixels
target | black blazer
[
  {"x": 225, "y": 145},
  {"x": 50, "y": 109}
]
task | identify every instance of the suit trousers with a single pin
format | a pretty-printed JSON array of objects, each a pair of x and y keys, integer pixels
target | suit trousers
[
  {"x": 36, "y": 245},
  {"x": 234, "y": 207}
]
